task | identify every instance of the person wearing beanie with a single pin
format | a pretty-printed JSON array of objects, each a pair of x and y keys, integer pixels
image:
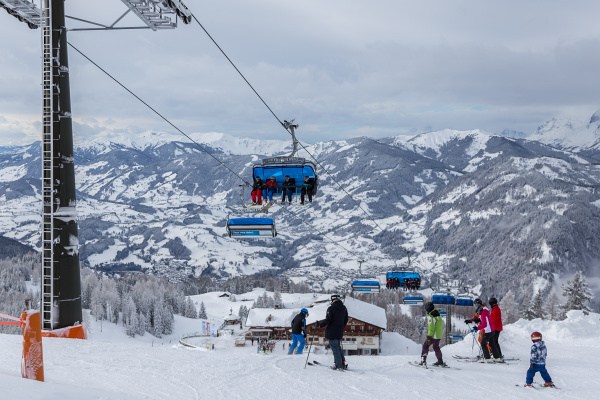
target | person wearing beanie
[
  {"x": 435, "y": 332},
  {"x": 335, "y": 322},
  {"x": 485, "y": 327},
  {"x": 496, "y": 322},
  {"x": 537, "y": 361}
]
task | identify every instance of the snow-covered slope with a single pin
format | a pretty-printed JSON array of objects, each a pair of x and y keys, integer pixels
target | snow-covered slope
[{"x": 110, "y": 365}]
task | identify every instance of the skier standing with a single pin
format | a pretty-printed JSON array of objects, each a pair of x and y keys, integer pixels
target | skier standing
[
  {"x": 298, "y": 332},
  {"x": 335, "y": 321},
  {"x": 435, "y": 331},
  {"x": 485, "y": 327},
  {"x": 537, "y": 361},
  {"x": 496, "y": 322}
]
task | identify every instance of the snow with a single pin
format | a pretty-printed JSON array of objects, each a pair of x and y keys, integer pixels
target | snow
[
  {"x": 227, "y": 143},
  {"x": 110, "y": 365},
  {"x": 436, "y": 140},
  {"x": 11, "y": 174}
]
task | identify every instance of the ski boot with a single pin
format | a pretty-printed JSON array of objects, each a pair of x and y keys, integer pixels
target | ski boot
[
  {"x": 439, "y": 364},
  {"x": 423, "y": 361},
  {"x": 528, "y": 385},
  {"x": 549, "y": 384}
]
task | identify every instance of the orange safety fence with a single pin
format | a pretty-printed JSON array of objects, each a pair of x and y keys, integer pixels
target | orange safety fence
[
  {"x": 14, "y": 321},
  {"x": 32, "y": 362}
]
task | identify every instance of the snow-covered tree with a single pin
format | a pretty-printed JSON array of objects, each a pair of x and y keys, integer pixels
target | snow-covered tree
[
  {"x": 578, "y": 294},
  {"x": 202, "y": 313},
  {"x": 552, "y": 308},
  {"x": 190, "y": 309},
  {"x": 277, "y": 301},
  {"x": 243, "y": 312},
  {"x": 536, "y": 307},
  {"x": 510, "y": 309}
]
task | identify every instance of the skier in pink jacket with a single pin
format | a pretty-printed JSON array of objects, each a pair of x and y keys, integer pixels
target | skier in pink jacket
[{"x": 485, "y": 325}]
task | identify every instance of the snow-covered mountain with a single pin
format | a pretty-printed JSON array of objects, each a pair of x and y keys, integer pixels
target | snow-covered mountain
[
  {"x": 466, "y": 203},
  {"x": 564, "y": 133}
]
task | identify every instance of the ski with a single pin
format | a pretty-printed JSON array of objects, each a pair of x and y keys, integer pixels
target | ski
[
  {"x": 525, "y": 387},
  {"x": 419, "y": 365},
  {"x": 548, "y": 387},
  {"x": 477, "y": 358},
  {"x": 318, "y": 364}
]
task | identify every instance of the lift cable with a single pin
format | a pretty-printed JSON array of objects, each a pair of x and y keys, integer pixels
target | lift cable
[
  {"x": 187, "y": 136},
  {"x": 198, "y": 145},
  {"x": 281, "y": 123}
]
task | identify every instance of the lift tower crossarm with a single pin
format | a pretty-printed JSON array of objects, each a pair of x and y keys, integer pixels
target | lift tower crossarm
[{"x": 23, "y": 10}]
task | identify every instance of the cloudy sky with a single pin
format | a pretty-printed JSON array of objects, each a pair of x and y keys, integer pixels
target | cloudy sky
[{"x": 341, "y": 68}]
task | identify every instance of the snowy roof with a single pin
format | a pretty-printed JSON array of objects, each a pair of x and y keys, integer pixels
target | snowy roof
[
  {"x": 273, "y": 317},
  {"x": 357, "y": 309}
]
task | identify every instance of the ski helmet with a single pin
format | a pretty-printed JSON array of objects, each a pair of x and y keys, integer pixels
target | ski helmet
[
  {"x": 429, "y": 307},
  {"x": 335, "y": 297},
  {"x": 478, "y": 302},
  {"x": 493, "y": 301},
  {"x": 304, "y": 311},
  {"x": 536, "y": 336}
]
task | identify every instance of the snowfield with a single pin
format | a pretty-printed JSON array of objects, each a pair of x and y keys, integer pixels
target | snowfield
[{"x": 110, "y": 365}]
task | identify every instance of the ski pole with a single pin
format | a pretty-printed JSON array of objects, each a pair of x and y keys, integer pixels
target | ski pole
[
  {"x": 478, "y": 345},
  {"x": 308, "y": 355}
]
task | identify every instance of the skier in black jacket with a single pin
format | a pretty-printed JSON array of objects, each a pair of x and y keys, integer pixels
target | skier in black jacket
[
  {"x": 298, "y": 332},
  {"x": 334, "y": 323}
]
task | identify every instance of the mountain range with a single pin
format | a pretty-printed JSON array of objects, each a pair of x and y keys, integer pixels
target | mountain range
[{"x": 497, "y": 213}]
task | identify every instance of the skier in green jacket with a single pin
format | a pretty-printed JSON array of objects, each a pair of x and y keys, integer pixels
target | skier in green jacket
[{"x": 435, "y": 331}]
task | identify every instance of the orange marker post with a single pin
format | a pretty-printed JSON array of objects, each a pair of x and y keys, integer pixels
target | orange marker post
[{"x": 32, "y": 366}]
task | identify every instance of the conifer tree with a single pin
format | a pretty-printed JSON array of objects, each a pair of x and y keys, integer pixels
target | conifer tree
[
  {"x": 537, "y": 306},
  {"x": 510, "y": 309},
  {"x": 578, "y": 294},
  {"x": 202, "y": 313}
]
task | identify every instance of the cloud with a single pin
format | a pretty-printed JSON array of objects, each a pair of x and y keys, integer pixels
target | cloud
[{"x": 339, "y": 67}]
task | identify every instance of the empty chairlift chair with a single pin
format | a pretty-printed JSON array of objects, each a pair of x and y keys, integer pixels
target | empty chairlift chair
[
  {"x": 413, "y": 299},
  {"x": 251, "y": 227},
  {"x": 366, "y": 286},
  {"x": 443, "y": 298},
  {"x": 464, "y": 300}
]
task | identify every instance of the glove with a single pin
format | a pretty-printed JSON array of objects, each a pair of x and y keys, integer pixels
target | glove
[
  {"x": 468, "y": 321},
  {"x": 476, "y": 320}
]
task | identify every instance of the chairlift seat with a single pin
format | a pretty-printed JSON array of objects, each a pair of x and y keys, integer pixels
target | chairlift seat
[{"x": 251, "y": 227}]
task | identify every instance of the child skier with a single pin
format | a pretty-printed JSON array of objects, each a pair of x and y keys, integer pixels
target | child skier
[{"x": 538, "y": 361}]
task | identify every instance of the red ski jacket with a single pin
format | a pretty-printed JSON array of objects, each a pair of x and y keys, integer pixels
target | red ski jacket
[{"x": 496, "y": 318}]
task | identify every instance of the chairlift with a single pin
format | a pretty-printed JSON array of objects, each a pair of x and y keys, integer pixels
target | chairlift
[
  {"x": 464, "y": 300},
  {"x": 443, "y": 298},
  {"x": 413, "y": 299},
  {"x": 297, "y": 168},
  {"x": 410, "y": 280},
  {"x": 366, "y": 286},
  {"x": 251, "y": 227}
]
